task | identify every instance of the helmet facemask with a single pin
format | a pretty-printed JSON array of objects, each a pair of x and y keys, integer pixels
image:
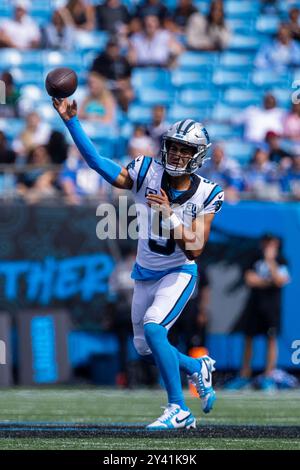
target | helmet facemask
[{"x": 193, "y": 161}]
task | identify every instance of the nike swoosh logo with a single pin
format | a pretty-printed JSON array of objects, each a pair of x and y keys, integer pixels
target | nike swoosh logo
[
  {"x": 181, "y": 420},
  {"x": 208, "y": 372},
  {"x": 220, "y": 196}
]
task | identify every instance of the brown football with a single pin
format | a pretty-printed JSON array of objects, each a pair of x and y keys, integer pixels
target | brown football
[{"x": 61, "y": 82}]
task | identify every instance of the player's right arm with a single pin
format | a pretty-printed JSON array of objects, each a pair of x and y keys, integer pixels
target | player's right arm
[{"x": 114, "y": 173}]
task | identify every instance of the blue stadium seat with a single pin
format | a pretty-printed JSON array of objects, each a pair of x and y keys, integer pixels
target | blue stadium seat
[
  {"x": 267, "y": 79},
  {"x": 243, "y": 9},
  {"x": 267, "y": 24},
  {"x": 240, "y": 42},
  {"x": 52, "y": 59},
  {"x": 150, "y": 77},
  {"x": 139, "y": 114},
  {"x": 205, "y": 97},
  {"x": 11, "y": 127},
  {"x": 223, "y": 112},
  {"x": 227, "y": 78},
  {"x": 239, "y": 150},
  {"x": 154, "y": 96},
  {"x": 91, "y": 41},
  {"x": 183, "y": 78},
  {"x": 240, "y": 26},
  {"x": 27, "y": 77},
  {"x": 178, "y": 112},
  {"x": 235, "y": 60},
  {"x": 241, "y": 98},
  {"x": 25, "y": 59},
  {"x": 197, "y": 60},
  {"x": 220, "y": 131}
]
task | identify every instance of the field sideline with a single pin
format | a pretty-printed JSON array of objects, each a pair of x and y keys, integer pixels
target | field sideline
[{"x": 110, "y": 410}]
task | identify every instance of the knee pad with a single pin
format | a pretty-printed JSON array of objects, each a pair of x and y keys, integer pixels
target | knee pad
[{"x": 141, "y": 346}]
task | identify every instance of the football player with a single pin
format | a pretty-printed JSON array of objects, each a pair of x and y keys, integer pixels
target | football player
[{"x": 183, "y": 205}]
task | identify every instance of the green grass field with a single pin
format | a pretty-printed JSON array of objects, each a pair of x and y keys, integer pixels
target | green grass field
[{"x": 107, "y": 406}]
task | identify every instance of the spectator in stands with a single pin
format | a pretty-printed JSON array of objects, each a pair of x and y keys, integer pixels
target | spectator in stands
[
  {"x": 35, "y": 133},
  {"x": 291, "y": 125},
  {"x": 80, "y": 14},
  {"x": 262, "y": 177},
  {"x": 99, "y": 105},
  {"x": 152, "y": 8},
  {"x": 77, "y": 179},
  {"x": 294, "y": 23},
  {"x": 153, "y": 46},
  {"x": 157, "y": 128},
  {"x": 39, "y": 181},
  {"x": 57, "y": 147},
  {"x": 210, "y": 33},
  {"x": 140, "y": 143},
  {"x": 279, "y": 54},
  {"x": 20, "y": 32},
  {"x": 59, "y": 34},
  {"x": 179, "y": 18},
  {"x": 266, "y": 275},
  {"x": 12, "y": 96},
  {"x": 223, "y": 171},
  {"x": 111, "y": 64},
  {"x": 258, "y": 121},
  {"x": 112, "y": 16},
  {"x": 276, "y": 153},
  {"x": 7, "y": 155},
  {"x": 291, "y": 180}
]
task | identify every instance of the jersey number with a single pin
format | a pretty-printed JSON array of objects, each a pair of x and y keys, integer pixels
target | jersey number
[{"x": 161, "y": 245}]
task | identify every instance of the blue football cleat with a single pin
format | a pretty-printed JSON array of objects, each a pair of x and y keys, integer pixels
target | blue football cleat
[
  {"x": 203, "y": 382},
  {"x": 173, "y": 418}
]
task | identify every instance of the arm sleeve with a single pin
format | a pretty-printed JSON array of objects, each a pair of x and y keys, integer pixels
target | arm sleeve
[{"x": 107, "y": 168}]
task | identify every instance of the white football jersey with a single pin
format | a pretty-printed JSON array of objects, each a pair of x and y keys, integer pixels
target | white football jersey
[{"x": 156, "y": 252}]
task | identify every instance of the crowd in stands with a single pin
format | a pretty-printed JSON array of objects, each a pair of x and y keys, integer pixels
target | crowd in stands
[{"x": 158, "y": 62}]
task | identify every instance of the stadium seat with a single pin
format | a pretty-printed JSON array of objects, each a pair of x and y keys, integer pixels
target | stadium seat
[
  {"x": 151, "y": 77},
  {"x": 197, "y": 60},
  {"x": 183, "y": 78},
  {"x": 235, "y": 60},
  {"x": 204, "y": 97},
  {"x": 239, "y": 150},
  {"x": 267, "y": 79},
  {"x": 60, "y": 59},
  {"x": 244, "y": 9},
  {"x": 220, "y": 131},
  {"x": 267, "y": 24},
  {"x": 27, "y": 77},
  {"x": 240, "y": 98},
  {"x": 11, "y": 127},
  {"x": 178, "y": 112},
  {"x": 240, "y": 26},
  {"x": 91, "y": 41},
  {"x": 227, "y": 78},
  {"x": 25, "y": 59},
  {"x": 154, "y": 96},
  {"x": 241, "y": 42},
  {"x": 139, "y": 114},
  {"x": 223, "y": 112}
]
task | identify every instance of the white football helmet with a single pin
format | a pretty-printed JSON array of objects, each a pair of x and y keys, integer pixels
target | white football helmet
[{"x": 192, "y": 134}]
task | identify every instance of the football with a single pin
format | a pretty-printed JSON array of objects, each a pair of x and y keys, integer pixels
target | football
[{"x": 61, "y": 82}]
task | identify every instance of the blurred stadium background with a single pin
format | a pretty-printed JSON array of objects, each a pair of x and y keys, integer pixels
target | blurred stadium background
[{"x": 65, "y": 294}]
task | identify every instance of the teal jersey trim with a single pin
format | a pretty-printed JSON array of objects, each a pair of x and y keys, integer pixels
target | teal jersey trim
[
  {"x": 143, "y": 274},
  {"x": 143, "y": 172},
  {"x": 216, "y": 190}
]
